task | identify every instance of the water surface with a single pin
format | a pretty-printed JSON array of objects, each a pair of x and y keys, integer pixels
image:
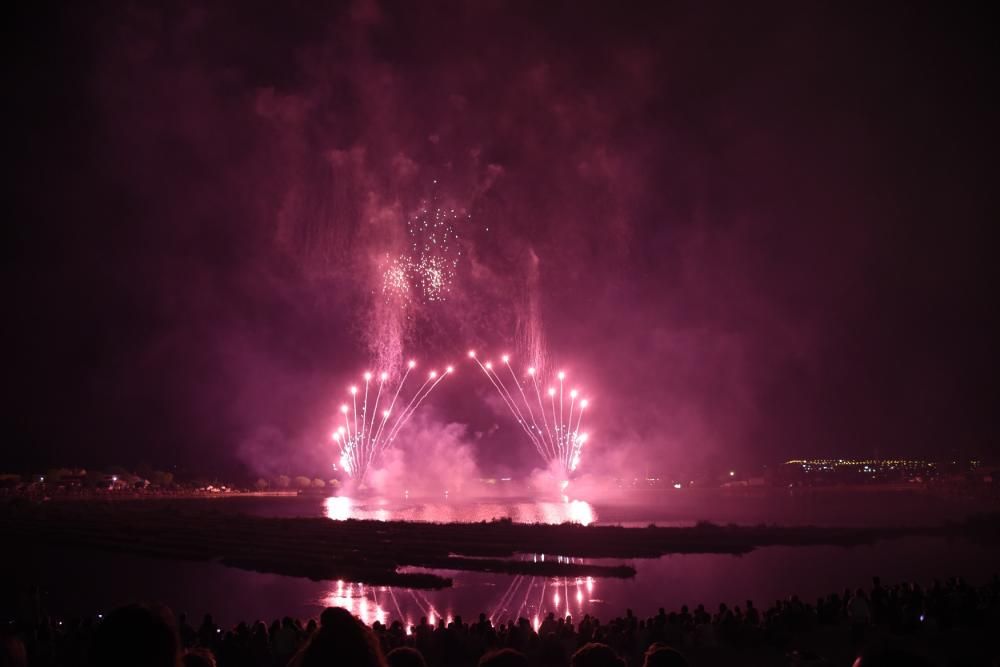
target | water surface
[{"x": 78, "y": 582}]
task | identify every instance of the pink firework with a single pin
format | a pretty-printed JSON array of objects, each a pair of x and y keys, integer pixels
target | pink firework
[
  {"x": 367, "y": 432},
  {"x": 426, "y": 271},
  {"x": 551, "y": 417}
]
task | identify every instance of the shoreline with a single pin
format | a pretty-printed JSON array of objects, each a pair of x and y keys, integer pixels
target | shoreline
[{"x": 378, "y": 553}]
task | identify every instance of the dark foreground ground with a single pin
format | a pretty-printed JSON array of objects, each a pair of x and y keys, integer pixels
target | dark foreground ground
[
  {"x": 374, "y": 552},
  {"x": 949, "y": 623}
]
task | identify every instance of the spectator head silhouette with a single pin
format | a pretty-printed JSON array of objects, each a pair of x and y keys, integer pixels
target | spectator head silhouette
[
  {"x": 507, "y": 657},
  {"x": 596, "y": 655},
  {"x": 404, "y": 656},
  {"x": 661, "y": 655},
  {"x": 12, "y": 652},
  {"x": 199, "y": 657},
  {"x": 138, "y": 636},
  {"x": 341, "y": 639},
  {"x": 330, "y": 616}
]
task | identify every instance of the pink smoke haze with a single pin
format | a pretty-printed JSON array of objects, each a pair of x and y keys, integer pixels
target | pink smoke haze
[{"x": 746, "y": 234}]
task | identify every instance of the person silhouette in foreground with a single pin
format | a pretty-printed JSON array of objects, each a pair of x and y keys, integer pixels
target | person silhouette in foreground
[
  {"x": 12, "y": 652},
  {"x": 507, "y": 657},
  {"x": 596, "y": 655},
  {"x": 405, "y": 656},
  {"x": 340, "y": 639},
  {"x": 137, "y": 636},
  {"x": 661, "y": 655},
  {"x": 198, "y": 657}
]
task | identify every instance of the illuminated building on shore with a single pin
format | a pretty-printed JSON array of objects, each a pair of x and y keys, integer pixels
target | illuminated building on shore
[{"x": 871, "y": 470}]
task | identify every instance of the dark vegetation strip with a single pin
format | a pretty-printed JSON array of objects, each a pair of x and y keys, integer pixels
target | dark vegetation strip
[{"x": 373, "y": 552}]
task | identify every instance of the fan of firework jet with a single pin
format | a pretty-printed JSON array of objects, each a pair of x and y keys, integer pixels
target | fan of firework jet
[
  {"x": 550, "y": 421},
  {"x": 366, "y": 432}
]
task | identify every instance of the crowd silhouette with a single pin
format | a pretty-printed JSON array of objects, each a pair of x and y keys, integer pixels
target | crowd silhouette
[{"x": 883, "y": 625}]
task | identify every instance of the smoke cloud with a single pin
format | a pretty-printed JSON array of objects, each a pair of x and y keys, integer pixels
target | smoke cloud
[
  {"x": 748, "y": 235},
  {"x": 434, "y": 458}
]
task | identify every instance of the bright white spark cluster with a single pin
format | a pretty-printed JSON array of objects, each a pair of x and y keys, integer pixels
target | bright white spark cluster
[
  {"x": 556, "y": 439},
  {"x": 395, "y": 279},
  {"x": 367, "y": 432},
  {"x": 427, "y": 270}
]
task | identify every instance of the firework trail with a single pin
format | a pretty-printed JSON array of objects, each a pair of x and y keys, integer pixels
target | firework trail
[
  {"x": 366, "y": 432},
  {"x": 551, "y": 425},
  {"x": 530, "y": 336}
]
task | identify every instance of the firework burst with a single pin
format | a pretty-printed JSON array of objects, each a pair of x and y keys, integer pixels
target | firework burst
[
  {"x": 366, "y": 432},
  {"x": 426, "y": 271},
  {"x": 550, "y": 417}
]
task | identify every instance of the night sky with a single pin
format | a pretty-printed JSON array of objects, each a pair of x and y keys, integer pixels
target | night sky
[{"x": 753, "y": 232}]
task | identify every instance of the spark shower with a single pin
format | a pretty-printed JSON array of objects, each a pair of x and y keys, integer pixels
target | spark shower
[
  {"x": 552, "y": 423},
  {"x": 363, "y": 436},
  {"x": 557, "y": 441},
  {"x": 423, "y": 274}
]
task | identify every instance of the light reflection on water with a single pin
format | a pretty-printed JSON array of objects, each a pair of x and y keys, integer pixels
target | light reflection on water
[
  {"x": 523, "y": 597},
  {"x": 83, "y": 582},
  {"x": 340, "y": 508},
  {"x": 364, "y": 602},
  {"x": 764, "y": 574}
]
